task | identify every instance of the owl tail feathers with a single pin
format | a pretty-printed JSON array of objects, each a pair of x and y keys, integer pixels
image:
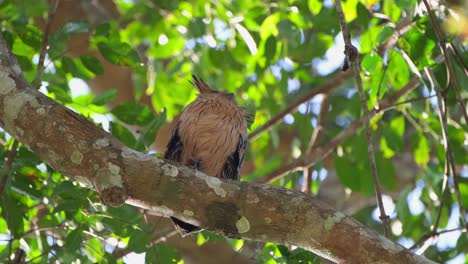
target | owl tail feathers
[{"x": 185, "y": 228}]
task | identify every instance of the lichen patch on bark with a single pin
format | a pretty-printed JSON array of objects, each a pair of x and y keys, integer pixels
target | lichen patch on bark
[
  {"x": 108, "y": 177},
  {"x": 6, "y": 83},
  {"x": 13, "y": 105},
  {"x": 243, "y": 225},
  {"x": 76, "y": 157},
  {"x": 332, "y": 220},
  {"x": 170, "y": 170}
]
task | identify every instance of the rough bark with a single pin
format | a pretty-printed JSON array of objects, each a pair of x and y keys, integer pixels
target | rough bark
[{"x": 76, "y": 147}]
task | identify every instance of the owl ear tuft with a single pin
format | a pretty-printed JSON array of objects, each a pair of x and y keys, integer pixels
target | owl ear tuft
[{"x": 201, "y": 86}]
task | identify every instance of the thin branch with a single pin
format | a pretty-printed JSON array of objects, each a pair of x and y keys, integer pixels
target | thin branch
[
  {"x": 429, "y": 238},
  {"x": 322, "y": 89},
  {"x": 448, "y": 60},
  {"x": 8, "y": 165},
  {"x": 36, "y": 83},
  {"x": 314, "y": 139},
  {"x": 321, "y": 152},
  {"x": 352, "y": 58},
  {"x": 458, "y": 57},
  {"x": 451, "y": 167}
]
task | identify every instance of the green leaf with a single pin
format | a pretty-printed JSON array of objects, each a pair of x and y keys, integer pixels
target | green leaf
[
  {"x": 148, "y": 135},
  {"x": 119, "y": 53},
  {"x": 74, "y": 239},
  {"x": 166, "y": 254},
  {"x": 394, "y": 133},
  {"x": 133, "y": 113},
  {"x": 30, "y": 35},
  {"x": 384, "y": 35},
  {"x": 270, "y": 48},
  {"x": 123, "y": 134},
  {"x": 61, "y": 92},
  {"x": 268, "y": 26},
  {"x": 464, "y": 194},
  {"x": 12, "y": 212},
  {"x": 392, "y": 10},
  {"x": 139, "y": 241},
  {"x": 75, "y": 68},
  {"x": 347, "y": 173},
  {"x": 386, "y": 172},
  {"x": 92, "y": 64},
  {"x": 398, "y": 69},
  {"x": 406, "y": 4},
  {"x": 315, "y": 6},
  {"x": 105, "y": 97},
  {"x": 196, "y": 27},
  {"x": 421, "y": 150}
]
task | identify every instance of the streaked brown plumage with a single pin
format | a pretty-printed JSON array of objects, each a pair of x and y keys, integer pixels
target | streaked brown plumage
[{"x": 210, "y": 136}]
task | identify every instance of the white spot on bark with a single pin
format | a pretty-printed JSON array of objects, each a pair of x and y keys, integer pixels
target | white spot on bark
[
  {"x": 332, "y": 220},
  {"x": 165, "y": 210},
  {"x": 41, "y": 111},
  {"x": 267, "y": 220},
  {"x": 76, "y": 157},
  {"x": 243, "y": 225},
  {"x": 170, "y": 170},
  {"x": 84, "y": 182},
  {"x": 188, "y": 213},
  {"x": 128, "y": 153},
  {"x": 16, "y": 69},
  {"x": 6, "y": 83},
  {"x": 252, "y": 198},
  {"x": 13, "y": 105},
  {"x": 114, "y": 169},
  {"x": 215, "y": 184},
  {"x": 100, "y": 143},
  {"x": 108, "y": 177}
]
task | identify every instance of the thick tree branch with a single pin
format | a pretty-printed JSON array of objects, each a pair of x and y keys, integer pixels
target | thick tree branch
[{"x": 77, "y": 148}]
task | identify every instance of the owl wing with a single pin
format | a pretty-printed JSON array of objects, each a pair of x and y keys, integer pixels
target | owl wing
[
  {"x": 234, "y": 161},
  {"x": 173, "y": 152},
  {"x": 174, "y": 147}
]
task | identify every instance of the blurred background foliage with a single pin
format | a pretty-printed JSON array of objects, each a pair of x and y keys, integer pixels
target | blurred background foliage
[{"x": 126, "y": 65}]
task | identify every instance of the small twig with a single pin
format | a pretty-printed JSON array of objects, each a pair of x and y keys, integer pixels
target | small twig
[
  {"x": 36, "y": 83},
  {"x": 448, "y": 61},
  {"x": 427, "y": 239},
  {"x": 8, "y": 165},
  {"x": 450, "y": 162},
  {"x": 318, "y": 131},
  {"x": 314, "y": 139},
  {"x": 459, "y": 57},
  {"x": 351, "y": 53}
]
